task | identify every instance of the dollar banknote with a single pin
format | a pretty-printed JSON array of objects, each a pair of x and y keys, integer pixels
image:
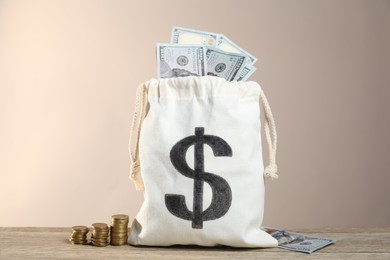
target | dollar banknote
[
  {"x": 298, "y": 242},
  {"x": 225, "y": 44},
  {"x": 224, "y": 58},
  {"x": 175, "y": 60},
  {"x": 224, "y": 64},
  {"x": 246, "y": 71},
  {"x": 182, "y": 35}
]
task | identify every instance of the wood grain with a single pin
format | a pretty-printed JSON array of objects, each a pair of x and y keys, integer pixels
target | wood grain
[{"x": 52, "y": 243}]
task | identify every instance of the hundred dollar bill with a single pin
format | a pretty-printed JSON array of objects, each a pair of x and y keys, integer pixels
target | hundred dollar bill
[
  {"x": 175, "y": 60},
  {"x": 182, "y": 35},
  {"x": 223, "y": 64},
  {"x": 298, "y": 242},
  {"x": 246, "y": 72},
  {"x": 226, "y": 44}
]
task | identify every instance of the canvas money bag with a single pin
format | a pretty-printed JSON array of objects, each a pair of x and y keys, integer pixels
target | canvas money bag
[{"x": 196, "y": 152}]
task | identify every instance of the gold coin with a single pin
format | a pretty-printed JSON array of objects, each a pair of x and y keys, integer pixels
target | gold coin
[
  {"x": 100, "y": 237},
  {"x": 118, "y": 244},
  {"x": 119, "y": 232},
  {"x": 94, "y": 231},
  {"x": 99, "y": 240},
  {"x": 120, "y": 216},
  {"x": 118, "y": 237},
  {"x": 116, "y": 224},
  {"x": 80, "y": 228},
  {"x": 119, "y": 221},
  {"x": 75, "y": 241},
  {"x": 78, "y": 235},
  {"x": 98, "y": 232},
  {"x": 114, "y": 243},
  {"x": 119, "y": 240},
  {"x": 78, "y": 242},
  {"x": 119, "y": 226},
  {"x": 100, "y": 245},
  {"x": 100, "y": 226}
]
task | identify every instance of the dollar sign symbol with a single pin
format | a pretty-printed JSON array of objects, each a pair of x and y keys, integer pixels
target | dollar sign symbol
[{"x": 221, "y": 192}]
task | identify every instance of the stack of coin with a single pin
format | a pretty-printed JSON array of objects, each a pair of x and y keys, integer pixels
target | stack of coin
[
  {"x": 79, "y": 235},
  {"x": 100, "y": 234},
  {"x": 119, "y": 226}
]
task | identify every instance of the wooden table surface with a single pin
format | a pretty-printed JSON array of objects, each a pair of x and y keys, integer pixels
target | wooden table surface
[{"x": 52, "y": 243}]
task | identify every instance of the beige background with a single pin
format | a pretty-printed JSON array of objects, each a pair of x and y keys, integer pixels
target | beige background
[{"x": 68, "y": 74}]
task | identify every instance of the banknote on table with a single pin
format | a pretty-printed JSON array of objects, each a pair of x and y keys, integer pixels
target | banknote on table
[
  {"x": 177, "y": 60},
  {"x": 182, "y": 35},
  {"x": 298, "y": 242},
  {"x": 224, "y": 64}
]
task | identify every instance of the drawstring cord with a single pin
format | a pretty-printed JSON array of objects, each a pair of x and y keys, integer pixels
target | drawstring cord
[
  {"x": 270, "y": 132},
  {"x": 139, "y": 114}
]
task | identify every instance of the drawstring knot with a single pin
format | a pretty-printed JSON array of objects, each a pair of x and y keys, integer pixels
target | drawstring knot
[
  {"x": 135, "y": 170},
  {"x": 271, "y": 171}
]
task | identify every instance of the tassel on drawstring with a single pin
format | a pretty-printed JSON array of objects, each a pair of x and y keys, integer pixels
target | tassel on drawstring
[{"x": 271, "y": 171}]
